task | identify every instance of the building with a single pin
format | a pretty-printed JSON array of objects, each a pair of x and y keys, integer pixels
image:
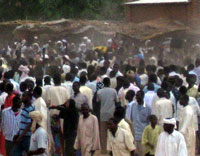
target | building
[{"x": 185, "y": 11}]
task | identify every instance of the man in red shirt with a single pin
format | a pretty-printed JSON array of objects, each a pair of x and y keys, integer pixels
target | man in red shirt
[{"x": 11, "y": 95}]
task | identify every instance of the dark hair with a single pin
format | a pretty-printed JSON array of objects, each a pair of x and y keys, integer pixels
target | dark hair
[
  {"x": 9, "y": 87},
  {"x": 161, "y": 93},
  {"x": 131, "y": 93},
  {"x": 152, "y": 117},
  {"x": 183, "y": 90},
  {"x": 106, "y": 81},
  {"x": 38, "y": 90},
  {"x": 83, "y": 79},
  {"x": 150, "y": 86},
  {"x": 69, "y": 77},
  {"x": 185, "y": 97},
  {"x": 47, "y": 80},
  {"x": 39, "y": 81},
  {"x": 153, "y": 78},
  {"x": 57, "y": 78},
  {"x": 16, "y": 99},
  {"x": 119, "y": 112}
]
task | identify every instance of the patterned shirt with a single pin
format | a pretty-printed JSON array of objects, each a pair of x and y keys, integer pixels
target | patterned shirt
[{"x": 25, "y": 119}]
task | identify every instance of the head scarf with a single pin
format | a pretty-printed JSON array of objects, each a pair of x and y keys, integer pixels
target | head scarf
[
  {"x": 37, "y": 117},
  {"x": 25, "y": 70},
  {"x": 171, "y": 121}
]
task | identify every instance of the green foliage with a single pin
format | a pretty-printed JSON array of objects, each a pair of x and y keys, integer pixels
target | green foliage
[{"x": 56, "y": 9}]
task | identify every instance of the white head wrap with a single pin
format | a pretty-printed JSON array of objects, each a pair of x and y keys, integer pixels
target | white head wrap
[
  {"x": 37, "y": 117},
  {"x": 171, "y": 121}
]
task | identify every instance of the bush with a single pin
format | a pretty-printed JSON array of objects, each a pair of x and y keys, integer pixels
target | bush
[{"x": 56, "y": 9}]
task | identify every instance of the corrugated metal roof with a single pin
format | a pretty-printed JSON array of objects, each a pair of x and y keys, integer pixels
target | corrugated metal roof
[{"x": 156, "y": 2}]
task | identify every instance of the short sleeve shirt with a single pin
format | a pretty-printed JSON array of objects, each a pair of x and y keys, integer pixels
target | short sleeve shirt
[{"x": 39, "y": 139}]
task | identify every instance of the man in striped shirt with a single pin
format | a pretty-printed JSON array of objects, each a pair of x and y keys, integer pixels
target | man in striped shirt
[
  {"x": 11, "y": 118},
  {"x": 22, "y": 142}
]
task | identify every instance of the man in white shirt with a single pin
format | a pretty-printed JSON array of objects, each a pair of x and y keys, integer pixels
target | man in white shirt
[
  {"x": 40, "y": 105},
  {"x": 68, "y": 83},
  {"x": 11, "y": 118},
  {"x": 163, "y": 108},
  {"x": 119, "y": 142},
  {"x": 148, "y": 97},
  {"x": 86, "y": 90},
  {"x": 171, "y": 142},
  {"x": 187, "y": 124},
  {"x": 39, "y": 137}
]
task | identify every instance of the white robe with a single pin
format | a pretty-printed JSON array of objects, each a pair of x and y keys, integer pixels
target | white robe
[
  {"x": 41, "y": 106},
  {"x": 163, "y": 108},
  {"x": 187, "y": 128},
  {"x": 171, "y": 145},
  {"x": 87, "y": 92},
  {"x": 87, "y": 138},
  {"x": 56, "y": 95}
]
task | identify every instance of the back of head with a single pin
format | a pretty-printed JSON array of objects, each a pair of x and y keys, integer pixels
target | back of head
[
  {"x": 38, "y": 91},
  {"x": 69, "y": 77},
  {"x": 153, "y": 78},
  {"x": 39, "y": 82},
  {"x": 183, "y": 90},
  {"x": 119, "y": 112},
  {"x": 9, "y": 87},
  {"x": 161, "y": 93},
  {"x": 106, "y": 82},
  {"x": 83, "y": 79},
  {"x": 57, "y": 79},
  {"x": 150, "y": 86},
  {"x": 16, "y": 100},
  {"x": 190, "y": 67},
  {"x": 47, "y": 80},
  {"x": 173, "y": 68}
]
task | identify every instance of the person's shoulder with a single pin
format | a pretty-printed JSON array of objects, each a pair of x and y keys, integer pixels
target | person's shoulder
[
  {"x": 41, "y": 131},
  {"x": 93, "y": 117},
  {"x": 178, "y": 134},
  {"x": 5, "y": 110}
]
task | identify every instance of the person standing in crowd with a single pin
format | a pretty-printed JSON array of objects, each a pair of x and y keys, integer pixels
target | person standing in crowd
[
  {"x": 40, "y": 105},
  {"x": 163, "y": 108},
  {"x": 107, "y": 98},
  {"x": 130, "y": 98},
  {"x": 39, "y": 137},
  {"x": 149, "y": 95},
  {"x": 86, "y": 90},
  {"x": 78, "y": 97},
  {"x": 22, "y": 141},
  {"x": 139, "y": 118},
  {"x": 150, "y": 136},
  {"x": 87, "y": 139},
  {"x": 170, "y": 141},
  {"x": 11, "y": 95},
  {"x": 119, "y": 142},
  {"x": 68, "y": 82},
  {"x": 187, "y": 125},
  {"x": 57, "y": 95},
  {"x": 70, "y": 114},
  {"x": 192, "y": 87},
  {"x": 11, "y": 118}
]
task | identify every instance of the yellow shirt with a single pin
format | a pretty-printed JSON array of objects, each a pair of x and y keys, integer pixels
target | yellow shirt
[{"x": 151, "y": 135}]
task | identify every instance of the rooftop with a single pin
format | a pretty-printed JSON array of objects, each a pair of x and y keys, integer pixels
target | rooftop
[{"x": 156, "y": 2}]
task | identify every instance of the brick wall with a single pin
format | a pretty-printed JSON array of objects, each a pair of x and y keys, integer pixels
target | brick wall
[
  {"x": 140, "y": 13},
  {"x": 186, "y": 13}
]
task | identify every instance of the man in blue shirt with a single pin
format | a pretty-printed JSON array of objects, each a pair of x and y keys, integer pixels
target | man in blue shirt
[
  {"x": 22, "y": 141},
  {"x": 139, "y": 117}
]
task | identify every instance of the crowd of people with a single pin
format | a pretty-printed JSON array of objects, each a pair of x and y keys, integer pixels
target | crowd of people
[{"x": 65, "y": 99}]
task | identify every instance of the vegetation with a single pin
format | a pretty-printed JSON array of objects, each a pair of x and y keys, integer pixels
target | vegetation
[{"x": 56, "y": 9}]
